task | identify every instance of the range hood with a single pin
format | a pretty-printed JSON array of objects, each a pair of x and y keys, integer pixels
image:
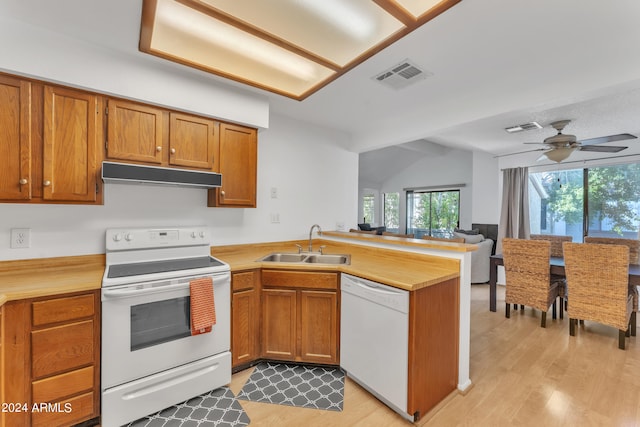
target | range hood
[{"x": 127, "y": 173}]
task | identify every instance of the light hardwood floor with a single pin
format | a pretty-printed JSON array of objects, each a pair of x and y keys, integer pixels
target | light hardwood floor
[{"x": 522, "y": 375}]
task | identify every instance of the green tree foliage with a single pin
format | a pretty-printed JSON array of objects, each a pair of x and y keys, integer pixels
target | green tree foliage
[
  {"x": 613, "y": 193},
  {"x": 392, "y": 210}
]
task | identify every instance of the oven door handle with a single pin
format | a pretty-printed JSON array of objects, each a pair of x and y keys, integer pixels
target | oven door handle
[{"x": 144, "y": 291}]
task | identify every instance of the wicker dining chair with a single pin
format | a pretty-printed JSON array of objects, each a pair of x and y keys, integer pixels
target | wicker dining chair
[
  {"x": 528, "y": 281},
  {"x": 556, "y": 242},
  {"x": 598, "y": 285},
  {"x": 634, "y": 258}
]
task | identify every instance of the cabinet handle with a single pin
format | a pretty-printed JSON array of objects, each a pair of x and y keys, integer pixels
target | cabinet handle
[
  {"x": 23, "y": 181},
  {"x": 46, "y": 183},
  {"x": 173, "y": 151},
  {"x": 158, "y": 149},
  {"x": 222, "y": 193}
]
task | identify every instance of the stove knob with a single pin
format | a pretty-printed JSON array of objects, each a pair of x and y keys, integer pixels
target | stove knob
[
  {"x": 202, "y": 234},
  {"x": 193, "y": 234},
  {"x": 128, "y": 237},
  {"x": 117, "y": 237}
]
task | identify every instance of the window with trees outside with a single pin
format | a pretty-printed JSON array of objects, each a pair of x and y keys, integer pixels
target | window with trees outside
[
  {"x": 392, "y": 211},
  {"x": 368, "y": 208},
  {"x": 598, "y": 201},
  {"x": 432, "y": 213}
]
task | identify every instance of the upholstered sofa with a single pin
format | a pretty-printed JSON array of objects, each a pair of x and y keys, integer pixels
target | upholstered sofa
[{"x": 484, "y": 236}]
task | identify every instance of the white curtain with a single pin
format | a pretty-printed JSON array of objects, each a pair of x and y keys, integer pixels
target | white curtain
[{"x": 514, "y": 217}]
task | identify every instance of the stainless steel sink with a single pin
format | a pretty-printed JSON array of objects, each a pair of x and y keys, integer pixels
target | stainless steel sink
[
  {"x": 329, "y": 259},
  {"x": 283, "y": 257},
  {"x": 314, "y": 258}
]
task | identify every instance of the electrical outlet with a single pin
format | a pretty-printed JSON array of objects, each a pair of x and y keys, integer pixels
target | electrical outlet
[
  {"x": 340, "y": 226},
  {"x": 20, "y": 238},
  {"x": 274, "y": 192},
  {"x": 275, "y": 218}
]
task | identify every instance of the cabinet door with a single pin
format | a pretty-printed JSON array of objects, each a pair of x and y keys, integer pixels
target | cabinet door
[
  {"x": 245, "y": 332},
  {"x": 15, "y": 138},
  {"x": 193, "y": 142},
  {"x": 134, "y": 132},
  {"x": 319, "y": 326},
  {"x": 238, "y": 166},
  {"x": 71, "y": 136},
  {"x": 279, "y": 323}
]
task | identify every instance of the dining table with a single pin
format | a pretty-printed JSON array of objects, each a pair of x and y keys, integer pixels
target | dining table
[{"x": 556, "y": 266}]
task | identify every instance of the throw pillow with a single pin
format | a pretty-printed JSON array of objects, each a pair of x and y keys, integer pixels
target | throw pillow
[
  {"x": 474, "y": 231},
  {"x": 470, "y": 238}
]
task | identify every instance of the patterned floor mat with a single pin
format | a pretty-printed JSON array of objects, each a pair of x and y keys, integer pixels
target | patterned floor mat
[
  {"x": 294, "y": 385},
  {"x": 217, "y": 408}
]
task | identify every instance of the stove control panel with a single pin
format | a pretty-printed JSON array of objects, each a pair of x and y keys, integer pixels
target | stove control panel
[{"x": 144, "y": 238}]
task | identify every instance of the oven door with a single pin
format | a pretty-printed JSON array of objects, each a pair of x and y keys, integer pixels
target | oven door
[{"x": 146, "y": 328}]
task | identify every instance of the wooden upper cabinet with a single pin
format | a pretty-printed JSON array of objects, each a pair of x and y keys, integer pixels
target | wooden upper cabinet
[
  {"x": 135, "y": 132},
  {"x": 238, "y": 166},
  {"x": 193, "y": 141},
  {"x": 70, "y": 144},
  {"x": 15, "y": 138}
]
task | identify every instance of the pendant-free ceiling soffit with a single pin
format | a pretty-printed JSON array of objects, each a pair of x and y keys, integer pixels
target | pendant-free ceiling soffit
[{"x": 289, "y": 47}]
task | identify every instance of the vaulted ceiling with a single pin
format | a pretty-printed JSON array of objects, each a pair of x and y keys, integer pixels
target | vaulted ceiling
[{"x": 491, "y": 64}]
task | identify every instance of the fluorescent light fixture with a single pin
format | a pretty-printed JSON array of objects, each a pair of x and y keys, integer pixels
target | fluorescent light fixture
[
  {"x": 189, "y": 21},
  {"x": 289, "y": 47},
  {"x": 343, "y": 15}
]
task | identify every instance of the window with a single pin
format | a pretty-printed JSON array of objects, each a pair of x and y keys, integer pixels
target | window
[
  {"x": 392, "y": 211},
  {"x": 368, "y": 208},
  {"x": 432, "y": 213},
  {"x": 599, "y": 201}
]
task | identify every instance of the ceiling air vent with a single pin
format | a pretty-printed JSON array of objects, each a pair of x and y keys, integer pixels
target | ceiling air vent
[
  {"x": 523, "y": 127},
  {"x": 402, "y": 75}
]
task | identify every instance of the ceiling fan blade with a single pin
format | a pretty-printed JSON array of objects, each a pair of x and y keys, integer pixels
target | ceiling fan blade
[
  {"x": 610, "y": 138},
  {"x": 519, "y": 152},
  {"x": 602, "y": 148}
]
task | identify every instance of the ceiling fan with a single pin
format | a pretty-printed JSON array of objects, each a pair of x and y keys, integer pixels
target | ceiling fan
[{"x": 560, "y": 146}]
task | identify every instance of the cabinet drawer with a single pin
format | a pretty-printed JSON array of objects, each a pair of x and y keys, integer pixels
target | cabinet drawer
[
  {"x": 62, "y": 309},
  {"x": 67, "y": 412},
  {"x": 62, "y": 348},
  {"x": 299, "y": 279},
  {"x": 243, "y": 281},
  {"x": 63, "y": 385}
]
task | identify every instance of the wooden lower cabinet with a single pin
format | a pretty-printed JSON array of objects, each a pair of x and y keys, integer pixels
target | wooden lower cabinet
[
  {"x": 245, "y": 313},
  {"x": 300, "y": 316},
  {"x": 50, "y": 353}
]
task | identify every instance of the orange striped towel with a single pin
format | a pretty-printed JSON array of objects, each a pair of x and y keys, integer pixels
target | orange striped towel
[{"x": 203, "y": 309}]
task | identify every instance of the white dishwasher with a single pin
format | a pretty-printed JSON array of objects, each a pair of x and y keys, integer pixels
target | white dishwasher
[{"x": 374, "y": 339}]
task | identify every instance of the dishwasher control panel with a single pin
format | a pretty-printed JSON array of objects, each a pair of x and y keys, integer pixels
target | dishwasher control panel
[{"x": 388, "y": 296}]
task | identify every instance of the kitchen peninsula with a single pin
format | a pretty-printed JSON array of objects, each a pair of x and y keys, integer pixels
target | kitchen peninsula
[{"x": 433, "y": 273}]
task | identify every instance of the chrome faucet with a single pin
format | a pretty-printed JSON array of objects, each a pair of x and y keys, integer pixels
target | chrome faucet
[{"x": 311, "y": 232}]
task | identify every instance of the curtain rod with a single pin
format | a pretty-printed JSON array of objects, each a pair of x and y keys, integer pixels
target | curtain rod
[
  {"x": 434, "y": 187},
  {"x": 577, "y": 161}
]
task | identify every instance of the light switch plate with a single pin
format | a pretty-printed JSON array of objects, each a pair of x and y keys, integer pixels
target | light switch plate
[{"x": 20, "y": 238}]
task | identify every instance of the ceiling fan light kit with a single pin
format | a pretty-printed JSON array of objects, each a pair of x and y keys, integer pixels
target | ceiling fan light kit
[
  {"x": 560, "y": 146},
  {"x": 558, "y": 154}
]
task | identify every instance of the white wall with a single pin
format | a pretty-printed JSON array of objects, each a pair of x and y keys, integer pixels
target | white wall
[
  {"x": 485, "y": 189},
  {"x": 316, "y": 182}
]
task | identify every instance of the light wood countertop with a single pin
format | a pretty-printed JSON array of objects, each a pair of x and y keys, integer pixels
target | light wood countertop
[
  {"x": 404, "y": 270},
  {"x": 35, "y": 278},
  {"x": 49, "y": 276}
]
